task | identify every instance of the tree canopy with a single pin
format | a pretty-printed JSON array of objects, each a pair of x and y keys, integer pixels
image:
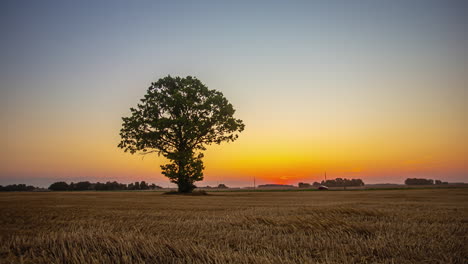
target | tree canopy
[{"x": 178, "y": 118}]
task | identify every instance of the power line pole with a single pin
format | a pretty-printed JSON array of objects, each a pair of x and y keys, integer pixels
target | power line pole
[{"x": 254, "y": 183}]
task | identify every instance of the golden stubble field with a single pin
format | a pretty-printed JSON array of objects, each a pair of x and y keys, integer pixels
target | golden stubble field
[{"x": 385, "y": 226}]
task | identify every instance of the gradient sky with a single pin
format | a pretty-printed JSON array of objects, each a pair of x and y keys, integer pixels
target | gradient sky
[{"x": 361, "y": 89}]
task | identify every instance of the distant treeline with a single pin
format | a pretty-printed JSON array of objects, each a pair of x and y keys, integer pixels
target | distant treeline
[
  {"x": 17, "y": 188},
  {"x": 220, "y": 186},
  {"x": 108, "y": 186},
  {"x": 338, "y": 182},
  {"x": 416, "y": 181}
]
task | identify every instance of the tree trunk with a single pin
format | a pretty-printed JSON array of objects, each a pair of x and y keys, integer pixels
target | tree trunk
[{"x": 185, "y": 186}]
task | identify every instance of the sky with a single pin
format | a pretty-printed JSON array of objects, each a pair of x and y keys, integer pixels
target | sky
[{"x": 375, "y": 90}]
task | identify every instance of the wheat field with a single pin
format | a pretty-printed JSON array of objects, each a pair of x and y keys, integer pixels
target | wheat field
[{"x": 385, "y": 226}]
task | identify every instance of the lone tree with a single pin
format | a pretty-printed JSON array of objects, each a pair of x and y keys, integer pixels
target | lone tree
[{"x": 178, "y": 118}]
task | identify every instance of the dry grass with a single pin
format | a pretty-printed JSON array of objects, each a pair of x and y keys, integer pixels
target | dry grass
[{"x": 395, "y": 226}]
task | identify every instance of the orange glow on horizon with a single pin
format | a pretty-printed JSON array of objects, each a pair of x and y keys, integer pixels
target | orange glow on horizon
[{"x": 273, "y": 158}]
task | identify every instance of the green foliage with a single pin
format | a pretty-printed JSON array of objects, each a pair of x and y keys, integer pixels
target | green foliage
[{"x": 178, "y": 118}]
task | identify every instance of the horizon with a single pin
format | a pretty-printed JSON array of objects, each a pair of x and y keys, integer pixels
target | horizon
[
  {"x": 45, "y": 183},
  {"x": 359, "y": 90}
]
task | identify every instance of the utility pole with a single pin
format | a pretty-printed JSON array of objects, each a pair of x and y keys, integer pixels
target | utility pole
[{"x": 254, "y": 182}]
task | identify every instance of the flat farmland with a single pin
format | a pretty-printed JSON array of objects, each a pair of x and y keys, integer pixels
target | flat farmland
[{"x": 378, "y": 226}]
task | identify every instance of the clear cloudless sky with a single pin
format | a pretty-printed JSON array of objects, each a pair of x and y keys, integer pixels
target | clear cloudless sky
[{"x": 361, "y": 89}]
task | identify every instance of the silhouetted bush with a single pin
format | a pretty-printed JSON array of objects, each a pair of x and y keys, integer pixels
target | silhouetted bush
[{"x": 222, "y": 186}]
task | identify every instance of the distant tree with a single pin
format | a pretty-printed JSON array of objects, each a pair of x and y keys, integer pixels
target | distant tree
[
  {"x": 178, "y": 118},
  {"x": 438, "y": 182},
  {"x": 17, "y": 188},
  {"x": 98, "y": 186},
  {"x": 59, "y": 186},
  {"x": 304, "y": 185},
  {"x": 316, "y": 184},
  {"x": 418, "y": 181},
  {"x": 340, "y": 182},
  {"x": 83, "y": 186},
  {"x": 222, "y": 186},
  {"x": 144, "y": 185},
  {"x": 357, "y": 182},
  {"x": 123, "y": 186}
]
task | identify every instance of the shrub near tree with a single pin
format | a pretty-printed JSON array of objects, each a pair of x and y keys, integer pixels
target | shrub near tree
[{"x": 178, "y": 118}]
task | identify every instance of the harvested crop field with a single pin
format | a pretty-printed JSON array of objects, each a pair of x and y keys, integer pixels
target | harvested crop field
[{"x": 385, "y": 226}]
